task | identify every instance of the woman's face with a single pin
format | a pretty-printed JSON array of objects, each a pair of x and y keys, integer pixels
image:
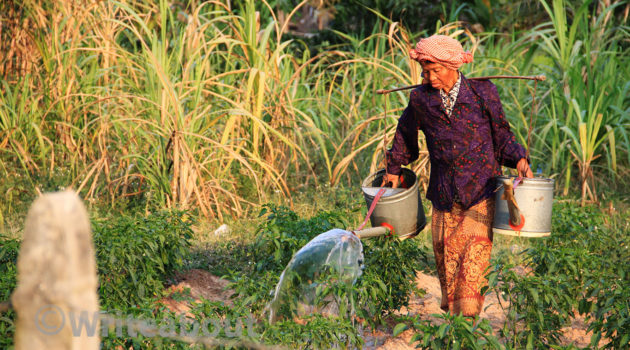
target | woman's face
[{"x": 438, "y": 76}]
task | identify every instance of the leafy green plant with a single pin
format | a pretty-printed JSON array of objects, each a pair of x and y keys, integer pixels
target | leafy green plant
[
  {"x": 154, "y": 314},
  {"x": 311, "y": 331},
  {"x": 388, "y": 280},
  {"x": 316, "y": 332},
  {"x": 253, "y": 290},
  {"x": 284, "y": 233},
  {"x": 609, "y": 315},
  {"x": 450, "y": 332},
  {"x": 9, "y": 248},
  {"x": 135, "y": 256},
  {"x": 579, "y": 269},
  {"x": 544, "y": 304}
]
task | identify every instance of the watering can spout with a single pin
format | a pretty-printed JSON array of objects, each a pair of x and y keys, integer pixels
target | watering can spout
[
  {"x": 373, "y": 231},
  {"x": 517, "y": 221}
]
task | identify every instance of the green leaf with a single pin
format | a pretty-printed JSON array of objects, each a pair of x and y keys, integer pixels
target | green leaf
[
  {"x": 530, "y": 341},
  {"x": 442, "y": 330},
  {"x": 399, "y": 328}
]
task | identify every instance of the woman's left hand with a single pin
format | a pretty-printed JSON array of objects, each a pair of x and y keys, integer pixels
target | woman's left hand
[{"x": 523, "y": 168}]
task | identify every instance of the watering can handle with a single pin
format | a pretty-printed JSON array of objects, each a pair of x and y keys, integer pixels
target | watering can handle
[
  {"x": 378, "y": 196},
  {"x": 382, "y": 230}
]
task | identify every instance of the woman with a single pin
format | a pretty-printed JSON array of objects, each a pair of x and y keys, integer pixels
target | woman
[{"x": 468, "y": 139}]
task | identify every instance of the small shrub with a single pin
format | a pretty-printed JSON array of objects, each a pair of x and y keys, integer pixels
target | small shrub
[
  {"x": 611, "y": 314},
  {"x": 314, "y": 332},
  {"x": 544, "y": 304},
  {"x": 135, "y": 256},
  {"x": 452, "y": 332},
  {"x": 388, "y": 280},
  {"x": 253, "y": 291},
  {"x": 9, "y": 249},
  {"x": 581, "y": 268},
  {"x": 155, "y": 315},
  {"x": 284, "y": 233}
]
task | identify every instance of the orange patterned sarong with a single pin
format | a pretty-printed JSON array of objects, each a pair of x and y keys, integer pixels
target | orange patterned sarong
[{"x": 462, "y": 243}]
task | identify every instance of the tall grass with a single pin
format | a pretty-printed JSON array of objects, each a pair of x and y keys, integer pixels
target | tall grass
[
  {"x": 182, "y": 111},
  {"x": 208, "y": 107},
  {"x": 589, "y": 103}
]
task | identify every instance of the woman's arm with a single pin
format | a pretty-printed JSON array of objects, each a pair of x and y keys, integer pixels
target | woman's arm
[
  {"x": 506, "y": 149},
  {"x": 405, "y": 147}
]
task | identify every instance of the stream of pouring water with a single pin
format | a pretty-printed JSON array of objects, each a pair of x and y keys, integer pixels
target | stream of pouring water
[{"x": 336, "y": 250}]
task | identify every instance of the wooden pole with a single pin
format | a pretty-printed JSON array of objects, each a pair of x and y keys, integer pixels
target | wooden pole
[{"x": 535, "y": 77}]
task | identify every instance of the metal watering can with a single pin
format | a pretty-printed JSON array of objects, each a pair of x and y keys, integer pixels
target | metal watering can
[
  {"x": 397, "y": 211},
  {"x": 523, "y": 206}
]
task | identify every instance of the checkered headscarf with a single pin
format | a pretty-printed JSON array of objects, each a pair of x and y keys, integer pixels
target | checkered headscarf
[{"x": 443, "y": 50}]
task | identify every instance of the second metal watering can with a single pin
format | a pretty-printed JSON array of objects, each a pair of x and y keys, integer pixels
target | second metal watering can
[{"x": 533, "y": 199}]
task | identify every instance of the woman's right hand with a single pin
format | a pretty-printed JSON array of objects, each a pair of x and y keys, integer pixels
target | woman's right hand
[{"x": 394, "y": 179}]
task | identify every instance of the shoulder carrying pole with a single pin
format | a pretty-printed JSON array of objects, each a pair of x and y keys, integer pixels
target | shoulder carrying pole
[{"x": 536, "y": 77}]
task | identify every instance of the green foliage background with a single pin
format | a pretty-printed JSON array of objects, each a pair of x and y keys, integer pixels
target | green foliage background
[{"x": 216, "y": 108}]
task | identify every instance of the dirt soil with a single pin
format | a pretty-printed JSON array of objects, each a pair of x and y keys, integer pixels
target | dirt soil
[
  {"x": 195, "y": 284},
  {"x": 191, "y": 286}
]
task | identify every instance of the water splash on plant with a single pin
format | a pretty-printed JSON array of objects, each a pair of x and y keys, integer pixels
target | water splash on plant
[{"x": 317, "y": 275}]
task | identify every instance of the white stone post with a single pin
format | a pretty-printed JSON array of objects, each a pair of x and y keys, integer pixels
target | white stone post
[{"x": 56, "y": 297}]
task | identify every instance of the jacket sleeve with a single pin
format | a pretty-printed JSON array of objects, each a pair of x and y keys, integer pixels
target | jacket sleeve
[
  {"x": 405, "y": 147},
  {"x": 506, "y": 149}
]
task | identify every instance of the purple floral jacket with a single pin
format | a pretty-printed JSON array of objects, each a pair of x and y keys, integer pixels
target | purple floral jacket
[{"x": 466, "y": 150}]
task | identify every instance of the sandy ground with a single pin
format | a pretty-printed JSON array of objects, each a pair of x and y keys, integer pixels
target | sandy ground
[{"x": 202, "y": 284}]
